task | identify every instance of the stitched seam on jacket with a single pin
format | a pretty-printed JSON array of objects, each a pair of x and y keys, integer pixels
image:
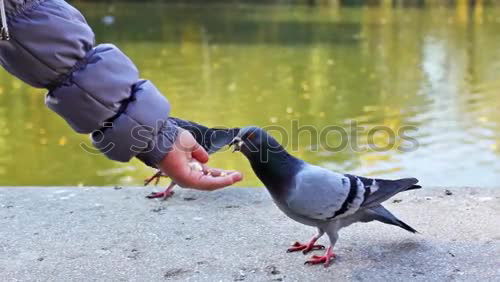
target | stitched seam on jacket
[
  {"x": 121, "y": 111},
  {"x": 64, "y": 77},
  {"x": 116, "y": 112}
]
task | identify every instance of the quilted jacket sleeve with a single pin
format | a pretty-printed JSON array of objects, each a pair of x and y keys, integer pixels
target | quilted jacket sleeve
[{"x": 96, "y": 89}]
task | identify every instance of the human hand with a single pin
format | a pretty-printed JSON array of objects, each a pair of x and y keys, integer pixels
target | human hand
[{"x": 180, "y": 165}]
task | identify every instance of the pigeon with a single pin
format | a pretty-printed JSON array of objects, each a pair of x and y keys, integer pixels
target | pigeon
[
  {"x": 211, "y": 139},
  {"x": 316, "y": 196}
]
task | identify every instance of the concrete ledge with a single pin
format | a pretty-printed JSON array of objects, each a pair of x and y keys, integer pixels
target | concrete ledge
[{"x": 237, "y": 234}]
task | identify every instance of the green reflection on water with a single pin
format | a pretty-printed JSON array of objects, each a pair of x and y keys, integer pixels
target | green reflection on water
[{"x": 434, "y": 68}]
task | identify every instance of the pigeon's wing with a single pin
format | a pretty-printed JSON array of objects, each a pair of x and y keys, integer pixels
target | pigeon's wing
[
  {"x": 322, "y": 194},
  {"x": 211, "y": 139},
  {"x": 379, "y": 190}
]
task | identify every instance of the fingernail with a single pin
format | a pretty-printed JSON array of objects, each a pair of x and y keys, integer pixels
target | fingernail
[{"x": 238, "y": 177}]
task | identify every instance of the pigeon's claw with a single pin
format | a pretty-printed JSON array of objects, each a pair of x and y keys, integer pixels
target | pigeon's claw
[
  {"x": 324, "y": 259},
  {"x": 305, "y": 248},
  {"x": 165, "y": 194}
]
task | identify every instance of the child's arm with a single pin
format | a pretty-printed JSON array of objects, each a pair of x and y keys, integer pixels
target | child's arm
[{"x": 96, "y": 89}]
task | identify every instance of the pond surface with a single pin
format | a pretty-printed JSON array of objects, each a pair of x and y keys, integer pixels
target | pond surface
[{"x": 434, "y": 71}]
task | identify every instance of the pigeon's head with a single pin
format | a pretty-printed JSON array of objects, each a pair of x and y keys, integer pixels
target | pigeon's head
[
  {"x": 253, "y": 140},
  {"x": 269, "y": 160}
]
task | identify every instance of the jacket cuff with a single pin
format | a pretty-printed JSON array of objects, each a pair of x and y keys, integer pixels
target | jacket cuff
[{"x": 157, "y": 149}]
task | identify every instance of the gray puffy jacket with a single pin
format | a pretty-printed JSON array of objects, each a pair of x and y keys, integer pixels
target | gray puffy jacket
[{"x": 96, "y": 89}]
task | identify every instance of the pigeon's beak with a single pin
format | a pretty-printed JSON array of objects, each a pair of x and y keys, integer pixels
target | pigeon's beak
[{"x": 237, "y": 143}]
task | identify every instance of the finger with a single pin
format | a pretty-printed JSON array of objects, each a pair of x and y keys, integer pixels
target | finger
[
  {"x": 209, "y": 182},
  {"x": 211, "y": 171},
  {"x": 221, "y": 172},
  {"x": 215, "y": 172},
  {"x": 199, "y": 153},
  {"x": 230, "y": 171}
]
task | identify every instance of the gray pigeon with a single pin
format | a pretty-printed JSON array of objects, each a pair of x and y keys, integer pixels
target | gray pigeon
[{"x": 316, "y": 196}]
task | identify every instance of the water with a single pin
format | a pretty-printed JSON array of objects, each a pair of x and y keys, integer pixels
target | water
[{"x": 435, "y": 68}]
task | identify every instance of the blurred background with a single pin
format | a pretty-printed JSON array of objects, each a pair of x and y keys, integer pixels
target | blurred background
[{"x": 434, "y": 65}]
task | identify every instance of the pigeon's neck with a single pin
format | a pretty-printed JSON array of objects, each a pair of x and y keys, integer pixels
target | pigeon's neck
[{"x": 277, "y": 171}]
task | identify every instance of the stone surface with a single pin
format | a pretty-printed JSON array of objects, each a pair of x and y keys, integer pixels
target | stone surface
[{"x": 237, "y": 234}]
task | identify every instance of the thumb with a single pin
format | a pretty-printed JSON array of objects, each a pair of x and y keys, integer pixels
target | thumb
[{"x": 198, "y": 153}]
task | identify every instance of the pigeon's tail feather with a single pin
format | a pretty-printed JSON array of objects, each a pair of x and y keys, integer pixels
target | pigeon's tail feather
[
  {"x": 413, "y": 187},
  {"x": 389, "y": 188},
  {"x": 381, "y": 214},
  {"x": 406, "y": 226}
]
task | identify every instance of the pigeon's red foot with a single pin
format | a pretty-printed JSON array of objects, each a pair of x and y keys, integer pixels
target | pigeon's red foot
[
  {"x": 165, "y": 194},
  {"x": 305, "y": 248},
  {"x": 325, "y": 259}
]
